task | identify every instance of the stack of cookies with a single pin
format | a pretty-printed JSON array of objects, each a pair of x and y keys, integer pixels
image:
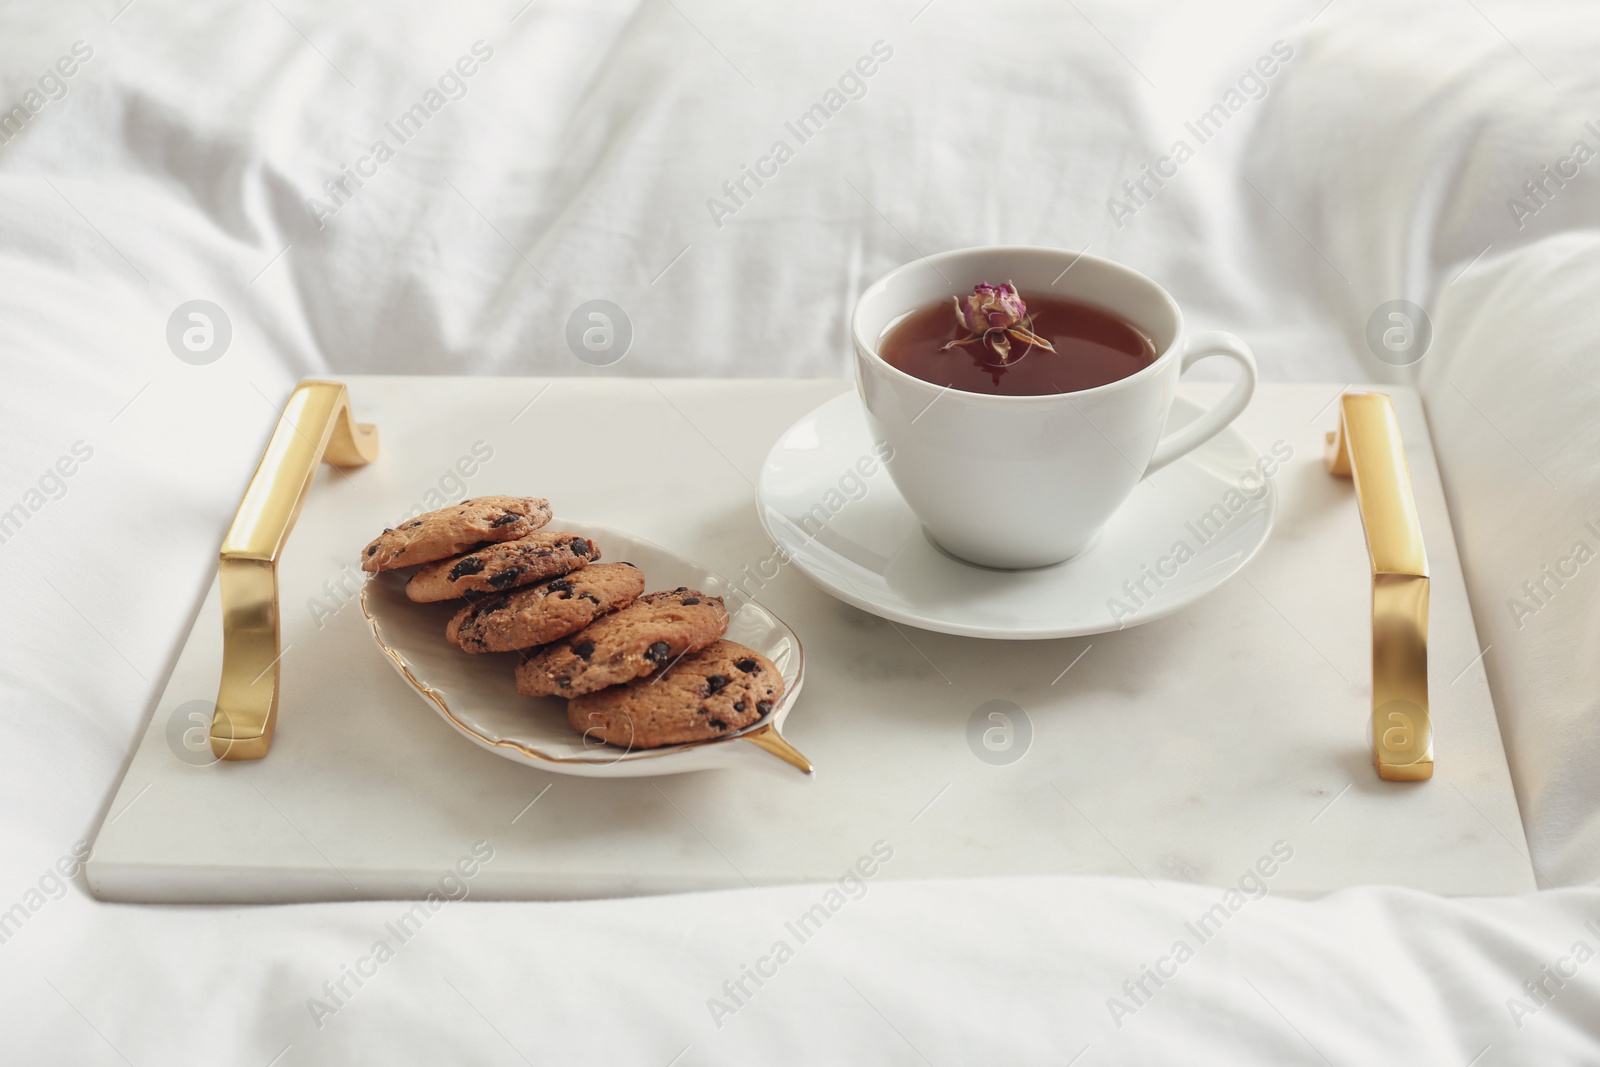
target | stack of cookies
[{"x": 639, "y": 670}]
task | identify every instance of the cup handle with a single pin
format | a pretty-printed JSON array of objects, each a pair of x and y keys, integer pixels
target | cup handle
[{"x": 1209, "y": 424}]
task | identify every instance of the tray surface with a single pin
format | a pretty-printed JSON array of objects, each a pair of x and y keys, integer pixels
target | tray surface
[{"x": 1188, "y": 748}]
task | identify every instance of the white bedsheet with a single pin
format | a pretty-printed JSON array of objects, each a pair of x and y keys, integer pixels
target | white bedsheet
[{"x": 175, "y": 162}]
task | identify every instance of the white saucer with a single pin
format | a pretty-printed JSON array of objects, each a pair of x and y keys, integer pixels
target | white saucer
[{"x": 830, "y": 505}]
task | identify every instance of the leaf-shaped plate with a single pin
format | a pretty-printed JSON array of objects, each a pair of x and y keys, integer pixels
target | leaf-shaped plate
[{"x": 477, "y": 694}]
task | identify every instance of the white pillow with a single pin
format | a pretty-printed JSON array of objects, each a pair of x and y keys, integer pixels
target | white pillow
[{"x": 1512, "y": 388}]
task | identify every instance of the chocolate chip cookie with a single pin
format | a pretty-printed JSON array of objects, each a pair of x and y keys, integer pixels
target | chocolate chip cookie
[
  {"x": 494, "y": 568},
  {"x": 452, "y": 530},
  {"x": 638, "y": 640},
  {"x": 723, "y": 687},
  {"x": 539, "y": 614}
]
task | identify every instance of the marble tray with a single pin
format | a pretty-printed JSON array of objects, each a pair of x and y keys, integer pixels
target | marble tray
[{"x": 1199, "y": 747}]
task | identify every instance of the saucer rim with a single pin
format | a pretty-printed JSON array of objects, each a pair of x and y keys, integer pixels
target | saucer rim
[{"x": 1013, "y": 633}]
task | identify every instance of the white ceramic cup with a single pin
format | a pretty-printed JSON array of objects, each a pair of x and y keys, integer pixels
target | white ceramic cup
[{"x": 1027, "y": 481}]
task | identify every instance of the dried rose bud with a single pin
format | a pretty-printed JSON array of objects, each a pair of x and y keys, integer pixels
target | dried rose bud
[
  {"x": 996, "y": 315},
  {"x": 990, "y": 307}
]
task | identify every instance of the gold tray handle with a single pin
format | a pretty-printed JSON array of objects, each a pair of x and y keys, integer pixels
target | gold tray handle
[
  {"x": 1368, "y": 449},
  {"x": 316, "y": 425}
]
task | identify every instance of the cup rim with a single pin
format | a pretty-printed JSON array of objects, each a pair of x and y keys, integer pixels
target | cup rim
[{"x": 870, "y": 351}]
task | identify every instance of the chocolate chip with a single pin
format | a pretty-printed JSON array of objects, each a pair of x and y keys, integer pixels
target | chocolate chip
[
  {"x": 388, "y": 529},
  {"x": 560, "y": 585},
  {"x": 763, "y": 706},
  {"x": 469, "y": 565},
  {"x": 746, "y": 665},
  {"x": 506, "y": 577},
  {"x": 590, "y": 597},
  {"x": 715, "y": 683},
  {"x": 372, "y": 550},
  {"x": 738, "y": 705},
  {"x": 583, "y": 650},
  {"x": 690, "y": 600},
  {"x": 658, "y": 652},
  {"x": 718, "y": 725},
  {"x": 580, "y": 547},
  {"x": 505, "y": 520},
  {"x": 413, "y": 525},
  {"x": 487, "y": 604}
]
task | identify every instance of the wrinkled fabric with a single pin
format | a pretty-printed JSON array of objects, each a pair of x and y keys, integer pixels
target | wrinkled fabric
[{"x": 437, "y": 189}]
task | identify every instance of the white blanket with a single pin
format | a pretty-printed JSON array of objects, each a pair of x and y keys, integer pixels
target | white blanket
[{"x": 536, "y": 157}]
